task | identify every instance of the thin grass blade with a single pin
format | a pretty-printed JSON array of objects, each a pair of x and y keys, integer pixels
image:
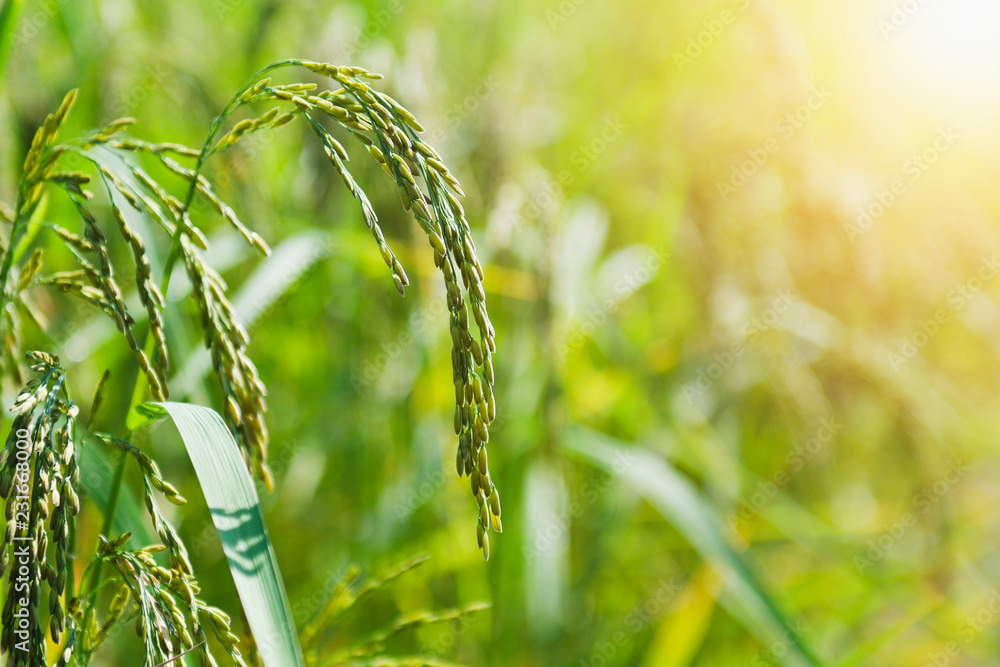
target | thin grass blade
[{"x": 683, "y": 505}]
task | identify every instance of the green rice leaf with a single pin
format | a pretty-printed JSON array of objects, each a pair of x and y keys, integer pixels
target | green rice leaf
[
  {"x": 232, "y": 499},
  {"x": 143, "y": 415},
  {"x": 685, "y": 507}
]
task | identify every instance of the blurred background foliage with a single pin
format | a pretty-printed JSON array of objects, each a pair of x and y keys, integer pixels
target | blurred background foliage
[{"x": 750, "y": 246}]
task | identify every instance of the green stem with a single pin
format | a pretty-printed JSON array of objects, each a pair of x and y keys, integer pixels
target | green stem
[
  {"x": 116, "y": 485},
  {"x": 15, "y": 249},
  {"x": 218, "y": 121},
  {"x": 175, "y": 244},
  {"x": 8, "y": 23},
  {"x": 8, "y": 260},
  {"x": 138, "y": 391},
  {"x": 109, "y": 514}
]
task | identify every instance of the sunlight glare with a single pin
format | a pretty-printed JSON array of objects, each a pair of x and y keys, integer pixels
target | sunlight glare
[{"x": 955, "y": 46}]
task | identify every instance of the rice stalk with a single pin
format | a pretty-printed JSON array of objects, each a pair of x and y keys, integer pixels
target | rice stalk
[
  {"x": 347, "y": 595},
  {"x": 39, "y": 477},
  {"x": 38, "y": 463},
  {"x": 428, "y": 189},
  {"x": 162, "y": 603}
]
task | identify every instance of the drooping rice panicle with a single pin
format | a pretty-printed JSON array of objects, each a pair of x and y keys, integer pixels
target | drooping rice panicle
[
  {"x": 387, "y": 131},
  {"x": 163, "y": 601}
]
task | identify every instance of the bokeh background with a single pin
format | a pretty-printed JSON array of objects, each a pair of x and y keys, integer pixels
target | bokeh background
[{"x": 742, "y": 260}]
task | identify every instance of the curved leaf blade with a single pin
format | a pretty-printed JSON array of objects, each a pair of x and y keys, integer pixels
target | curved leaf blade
[
  {"x": 683, "y": 505},
  {"x": 232, "y": 499}
]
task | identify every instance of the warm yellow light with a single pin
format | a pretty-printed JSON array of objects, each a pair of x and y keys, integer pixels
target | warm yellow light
[
  {"x": 964, "y": 35},
  {"x": 950, "y": 46}
]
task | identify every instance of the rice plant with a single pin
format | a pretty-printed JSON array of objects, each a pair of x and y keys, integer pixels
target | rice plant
[{"x": 39, "y": 464}]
